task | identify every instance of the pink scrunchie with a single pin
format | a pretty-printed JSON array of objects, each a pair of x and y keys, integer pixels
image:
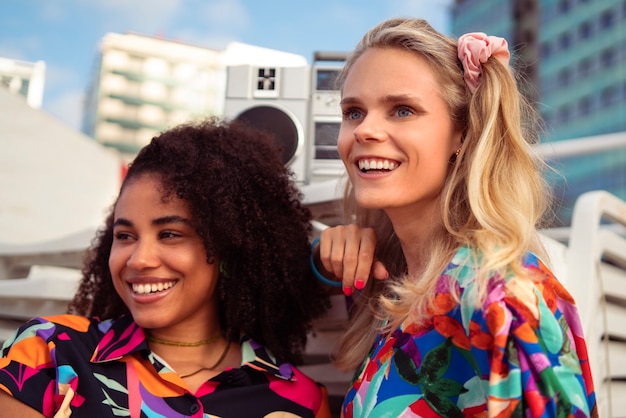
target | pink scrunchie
[{"x": 476, "y": 48}]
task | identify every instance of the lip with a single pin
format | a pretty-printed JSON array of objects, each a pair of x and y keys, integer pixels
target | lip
[
  {"x": 383, "y": 165},
  {"x": 151, "y": 297}
]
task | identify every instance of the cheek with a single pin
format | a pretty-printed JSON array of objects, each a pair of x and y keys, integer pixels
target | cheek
[
  {"x": 344, "y": 142},
  {"x": 117, "y": 260},
  {"x": 116, "y": 264}
]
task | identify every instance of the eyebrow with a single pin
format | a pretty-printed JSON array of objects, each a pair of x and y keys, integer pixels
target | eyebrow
[
  {"x": 158, "y": 221},
  {"x": 390, "y": 98}
]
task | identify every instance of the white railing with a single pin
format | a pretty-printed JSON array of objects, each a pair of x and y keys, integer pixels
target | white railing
[{"x": 596, "y": 270}]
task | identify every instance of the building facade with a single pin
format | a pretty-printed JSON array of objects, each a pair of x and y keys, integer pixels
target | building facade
[
  {"x": 572, "y": 54},
  {"x": 24, "y": 78},
  {"x": 142, "y": 85}
]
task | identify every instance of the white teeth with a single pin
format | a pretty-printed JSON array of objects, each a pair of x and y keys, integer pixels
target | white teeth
[
  {"x": 376, "y": 165},
  {"x": 143, "y": 289}
]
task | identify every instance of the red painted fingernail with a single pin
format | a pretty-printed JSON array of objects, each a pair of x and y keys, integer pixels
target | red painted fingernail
[
  {"x": 359, "y": 284},
  {"x": 347, "y": 291}
]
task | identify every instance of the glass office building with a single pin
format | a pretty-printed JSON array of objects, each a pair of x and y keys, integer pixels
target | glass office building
[{"x": 572, "y": 53}]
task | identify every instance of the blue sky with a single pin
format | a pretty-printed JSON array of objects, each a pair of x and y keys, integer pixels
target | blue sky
[{"x": 65, "y": 33}]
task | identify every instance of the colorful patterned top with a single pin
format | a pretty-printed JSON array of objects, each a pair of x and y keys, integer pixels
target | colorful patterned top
[
  {"x": 522, "y": 354},
  {"x": 110, "y": 371}
]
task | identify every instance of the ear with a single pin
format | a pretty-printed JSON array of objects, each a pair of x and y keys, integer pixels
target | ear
[{"x": 457, "y": 140}]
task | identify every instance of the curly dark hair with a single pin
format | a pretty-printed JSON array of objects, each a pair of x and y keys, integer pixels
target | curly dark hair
[{"x": 247, "y": 210}]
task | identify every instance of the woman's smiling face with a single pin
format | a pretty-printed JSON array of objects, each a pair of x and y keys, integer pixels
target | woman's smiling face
[
  {"x": 396, "y": 137},
  {"x": 158, "y": 261}
]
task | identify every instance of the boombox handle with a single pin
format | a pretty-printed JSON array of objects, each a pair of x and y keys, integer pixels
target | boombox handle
[{"x": 329, "y": 56}]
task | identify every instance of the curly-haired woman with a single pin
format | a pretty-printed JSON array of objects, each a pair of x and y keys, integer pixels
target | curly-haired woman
[{"x": 196, "y": 298}]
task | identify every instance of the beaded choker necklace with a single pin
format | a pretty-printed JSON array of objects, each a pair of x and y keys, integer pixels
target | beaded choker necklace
[{"x": 183, "y": 344}]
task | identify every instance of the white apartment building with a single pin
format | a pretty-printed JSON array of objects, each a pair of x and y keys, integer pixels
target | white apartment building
[
  {"x": 143, "y": 85},
  {"x": 24, "y": 78}
]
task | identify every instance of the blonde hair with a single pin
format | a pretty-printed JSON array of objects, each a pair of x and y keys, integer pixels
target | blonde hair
[{"x": 493, "y": 200}]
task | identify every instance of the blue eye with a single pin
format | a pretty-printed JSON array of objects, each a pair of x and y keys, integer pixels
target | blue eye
[
  {"x": 352, "y": 114},
  {"x": 403, "y": 111}
]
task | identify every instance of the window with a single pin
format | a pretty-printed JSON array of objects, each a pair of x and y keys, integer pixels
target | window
[
  {"x": 584, "y": 67},
  {"x": 607, "y": 19},
  {"x": 564, "y": 114},
  {"x": 546, "y": 50},
  {"x": 24, "y": 87},
  {"x": 565, "y": 41},
  {"x": 564, "y": 77},
  {"x": 584, "y": 30},
  {"x": 135, "y": 63},
  {"x": 608, "y": 57},
  {"x": 608, "y": 96},
  {"x": 547, "y": 117},
  {"x": 584, "y": 106}
]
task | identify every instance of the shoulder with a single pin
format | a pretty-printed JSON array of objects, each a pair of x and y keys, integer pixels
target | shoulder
[
  {"x": 531, "y": 273},
  {"x": 41, "y": 331},
  {"x": 530, "y": 301},
  {"x": 529, "y": 292},
  {"x": 286, "y": 380},
  {"x": 258, "y": 357},
  {"x": 537, "y": 286}
]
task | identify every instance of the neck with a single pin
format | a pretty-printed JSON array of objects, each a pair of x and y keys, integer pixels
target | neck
[
  {"x": 174, "y": 343},
  {"x": 416, "y": 235}
]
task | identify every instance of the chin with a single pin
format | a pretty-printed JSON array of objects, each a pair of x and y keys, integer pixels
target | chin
[
  {"x": 149, "y": 321},
  {"x": 371, "y": 201}
]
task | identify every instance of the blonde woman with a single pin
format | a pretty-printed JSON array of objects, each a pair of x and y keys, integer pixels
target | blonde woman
[{"x": 445, "y": 187}]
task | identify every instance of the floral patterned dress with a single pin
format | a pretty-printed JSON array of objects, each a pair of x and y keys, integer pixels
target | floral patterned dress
[{"x": 521, "y": 354}]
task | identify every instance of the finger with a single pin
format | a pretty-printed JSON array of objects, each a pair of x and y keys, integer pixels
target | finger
[
  {"x": 330, "y": 240},
  {"x": 353, "y": 248},
  {"x": 379, "y": 272},
  {"x": 365, "y": 258}
]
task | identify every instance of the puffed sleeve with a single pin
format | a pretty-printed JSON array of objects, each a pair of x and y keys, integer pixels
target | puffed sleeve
[
  {"x": 539, "y": 364},
  {"x": 324, "y": 408},
  {"x": 26, "y": 367}
]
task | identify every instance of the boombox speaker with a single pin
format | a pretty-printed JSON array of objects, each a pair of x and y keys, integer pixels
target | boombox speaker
[{"x": 275, "y": 99}]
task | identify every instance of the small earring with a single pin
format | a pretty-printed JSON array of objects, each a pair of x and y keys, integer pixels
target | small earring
[
  {"x": 454, "y": 156},
  {"x": 223, "y": 268}
]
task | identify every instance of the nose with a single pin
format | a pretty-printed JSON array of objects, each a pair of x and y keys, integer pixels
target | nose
[
  {"x": 371, "y": 128},
  {"x": 143, "y": 255}
]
